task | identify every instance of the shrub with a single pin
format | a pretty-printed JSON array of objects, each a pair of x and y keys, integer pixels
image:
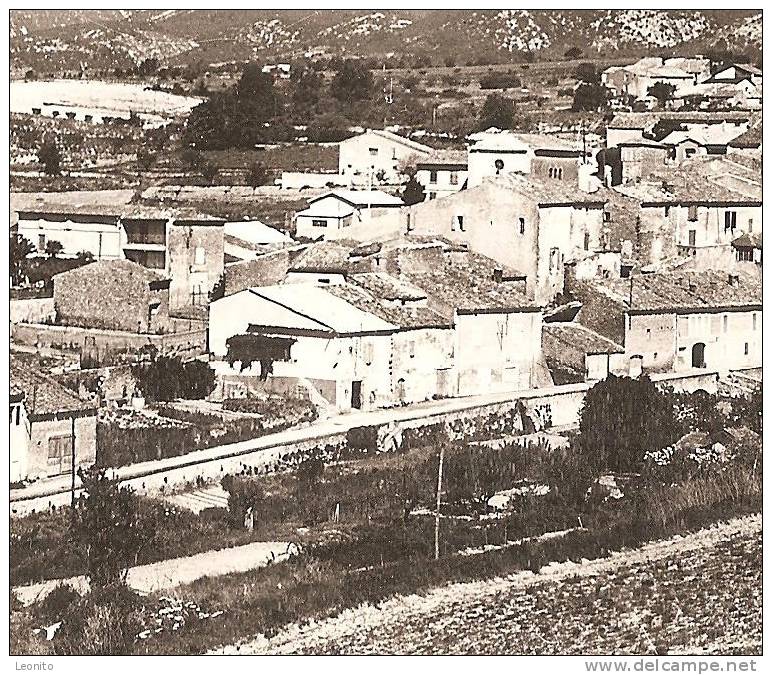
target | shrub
[
  {"x": 500, "y": 81},
  {"x": 165, "y": 378},
  {"x": 104, "y": 622},
  {"x": 362, "y": 439},
  {"x": 56, "y": 604},
  {"x": 243, "y": 494}
]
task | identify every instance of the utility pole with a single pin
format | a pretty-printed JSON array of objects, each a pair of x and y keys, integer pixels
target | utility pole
[
  {"x": 72, "y": 469},
  {"x": 439, "y": 500}
]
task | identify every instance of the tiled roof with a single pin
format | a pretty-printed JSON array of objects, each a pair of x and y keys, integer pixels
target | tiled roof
[
  {"x": 748, "y": 240},
  {"x": 549, "y": 192},
  {"x": 643, "y": 120},
  {"x": 379, "y": 294},
  {"x": 751, "y": 138},
  {"x": 43, "y": 395},
  {"x": 104, "y": 268},
  {"x": 698, "y": 181},
  {"x": 571, "y": 335},
  {"x": 450, "y": 157},
  {"x": 361, "y": 197},
  {"x": 684, "y": 290},
  {"x": 323, "y": 256}
]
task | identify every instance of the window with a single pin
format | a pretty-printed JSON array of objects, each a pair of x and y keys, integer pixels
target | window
[
  {"x": 460, "y": 222},
  {"x": 586, "y": 241},
  {"x": 692, "y": 237},
  {"x": 499, "y": 165},
  {"x": 199, "y": 255},
  {"x": 522, "y": 225},
  {"x": 454, "y": 178},
  {"x": 324, "y": 280},
  {"x": 730, "y": 220},
  {"x": 648, "y": 333},
  {"x": 746, "y": 349},
  {"x": 373, "y": 152},
  {"x": 667, "y": 211},
  {"x": 607, "y": 216},
  {"x": 551, "y": 172},
  {"x": 690, "y": 152},
  {"x": 750, "y": 224},
  {"x": 432, "y": 176},
  {"x": 560, "y": 174},
  {"x": 726, "y": 323},
  {"x": 754, "y": 321},
  {"x": 59, "y": 454},
  {"x": 692, "y": 216},
  {"x": 393, "y": 153},
  {"x": 41, "y": 242},
  {"x": 318, "y": 223},
  {"x": 432, "y": 195}
]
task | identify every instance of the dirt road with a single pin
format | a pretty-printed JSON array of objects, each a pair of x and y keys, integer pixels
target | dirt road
[{"x": 697, "y": 594}]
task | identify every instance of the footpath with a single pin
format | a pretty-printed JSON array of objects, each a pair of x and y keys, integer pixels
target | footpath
[{"x": 167, "y": 574}]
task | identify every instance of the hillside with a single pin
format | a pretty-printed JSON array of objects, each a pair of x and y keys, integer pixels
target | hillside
[{"x": 58, "y": 39}]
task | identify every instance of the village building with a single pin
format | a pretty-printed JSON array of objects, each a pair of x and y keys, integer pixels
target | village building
[
  {"x": 679, "y": 320},
  {"x": 377, "y": 156},
  {"x": 61, "y": 426},
  {"x": 496, "y": 153},
  {"x": 696, "y": 211},
  {"x": 443, "y": 173},
  {"x": 635, "y": 80},
  {"x": 743, "y": 94},
  {"x": 574, "y": 353},
  {"x": 113, "y": 295},
  {"x": 737, "y": 72},
  {"x": 525, "y": 222},
  {"x": 337, "y": 210},
  {"x": 748, "y": 144},
  {"x": 407, "y": 321},
  {"x": 186, "y": 246}
]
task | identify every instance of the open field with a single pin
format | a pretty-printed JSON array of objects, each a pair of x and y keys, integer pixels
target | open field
[{"x": 699, "y": 594}]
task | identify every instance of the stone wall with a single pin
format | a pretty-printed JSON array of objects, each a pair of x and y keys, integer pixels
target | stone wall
[{"x": 33, "y": 310}]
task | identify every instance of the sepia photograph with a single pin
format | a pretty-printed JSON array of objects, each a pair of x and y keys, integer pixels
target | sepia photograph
[{"x": 365, "y": 331}]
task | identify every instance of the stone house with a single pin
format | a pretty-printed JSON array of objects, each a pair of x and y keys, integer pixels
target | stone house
[
  {"x": 113, "y": 295},
  {"x": 62, "y": 427},
  {"x": 677, "y": 321},
  {"x": 527, "y": 223},
  {"x": 376, "y": 156},
  {"x": 696, "y": 211},
  {"x": 635, "y": 127}
]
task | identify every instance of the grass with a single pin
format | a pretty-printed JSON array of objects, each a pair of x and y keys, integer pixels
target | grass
[{"x": 306, "y": 588}]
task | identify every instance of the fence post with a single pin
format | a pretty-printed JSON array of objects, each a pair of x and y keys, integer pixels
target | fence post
[{"x": 439, "y": 500}]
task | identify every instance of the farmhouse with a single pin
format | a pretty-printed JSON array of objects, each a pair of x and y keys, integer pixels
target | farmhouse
[
  {"x": 58, "y": 423},
  {"x": 635, "y": 80},
  {"x": 635, "y": 126},
  {"x": 443, "y": 172},
  {"x": 675, "y": 321},
  {"x": 113, "y": 295},
  {"x": 339, "y": 209},
  {"x": 376, "y": 156}
]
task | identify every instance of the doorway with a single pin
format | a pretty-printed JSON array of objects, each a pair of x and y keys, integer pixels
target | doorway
[
  {"x": 356, "y": 394},
  {"x": 698, "y": 355}
]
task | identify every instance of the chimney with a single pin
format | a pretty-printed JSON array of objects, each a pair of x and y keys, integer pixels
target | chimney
[{"x": 498, "y": 275}]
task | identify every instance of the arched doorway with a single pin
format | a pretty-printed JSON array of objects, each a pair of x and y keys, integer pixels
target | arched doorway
[{"x": 698, "y": 355}]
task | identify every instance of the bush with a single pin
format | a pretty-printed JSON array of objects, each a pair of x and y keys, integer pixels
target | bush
[
  {"x": 500, "y": 81},
  {"x": 104, "y": 622},
  {"x": 243, "y": 494},
  {"x": 57, "y": 603},
  {"x": 166, "y": 378}
]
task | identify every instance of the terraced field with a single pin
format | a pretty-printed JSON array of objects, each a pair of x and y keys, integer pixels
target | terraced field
[{"x": 698, "y": 594}]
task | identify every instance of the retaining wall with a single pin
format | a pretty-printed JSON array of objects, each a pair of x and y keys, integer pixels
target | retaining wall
[{"x": 32, "y": 310}]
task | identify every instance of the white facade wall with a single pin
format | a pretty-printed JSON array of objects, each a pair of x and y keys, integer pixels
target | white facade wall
[
  {"x": 104, "y": 241},
  {"x": 482, "y": 164},
  {"x": 361, "y": 158},
  {"x": 446, "y": 181},
  {"x": 19, "y": 441}
]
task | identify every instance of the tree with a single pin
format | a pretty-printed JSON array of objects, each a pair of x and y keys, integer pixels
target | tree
[
  {"x": 84, "y": 257},
  {"x": 622, "y": 419},
  {"x": 145, "y": 159},
  {"x": 256, "y": 88},
  {"x": 244, "y": 495},
  {"x": 498, "y": 112},
  {"x": 106, "y": 526},
  {"x": 352, "y": 82},
  {"x": 590, "y": 97},
  {"x": 587, "y": 73},
  {"x": 306, "y": 84},
  {"x": 573, "y": 53},
  {"x": 210, "y": 172},
  {"x": 50, "y": 158},
  {"x": 165, "y": 378},
  {"x": 413, "y": 192},
  {"x": 53, "y": 248},
  {"x": 328, "y": 128},
  {"x": 662, "y": 91},
  {"x": 258, "y": 175},
  {"x": 19, "y": 249}
]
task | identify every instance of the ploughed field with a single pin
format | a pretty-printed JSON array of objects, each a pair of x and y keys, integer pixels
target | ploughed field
[{"x": 697, "y": 594}]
